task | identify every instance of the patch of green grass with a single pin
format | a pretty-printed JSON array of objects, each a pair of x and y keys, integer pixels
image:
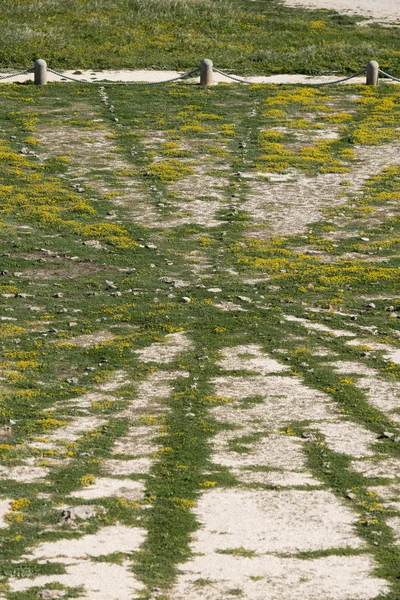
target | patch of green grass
[
  {"x": 243, "y": 552},
  {"x": 268, "y": 37}
]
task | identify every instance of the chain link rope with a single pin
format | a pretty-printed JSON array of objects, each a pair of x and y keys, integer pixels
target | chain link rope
[
  {"x": 389, "y": 76},
  {"x": 342, "y": 80},
  {"x": 232, "y": 76},
  {"x": 2, "y": 77},
  {"x": 186, "y": 76},
  {"x": 179, "y": 78}
]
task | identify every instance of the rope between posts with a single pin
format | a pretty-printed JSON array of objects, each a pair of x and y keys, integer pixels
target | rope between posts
[
  {"x": 315, "y": 84},
  {"x": 16, "y": 74},
  {"x": 231, "y": 76},
  {"x": 362, "y": 72},
  {"x": 180, "y": 77},
  {"x": 388, "y": 75},
  {"x": 184, "y": 76}
]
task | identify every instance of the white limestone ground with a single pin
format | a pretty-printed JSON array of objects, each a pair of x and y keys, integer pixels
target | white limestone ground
[
  {"x": 275, "y": 459},
  {"x": 387, "y": 468},
  {"x": 92, "y": 339},
  {"x": 275, "y": 578},
  {"x": 285, "y": 522},
  {"x": 249, "y": 357},
  {"x": 319, "y": 326},
  {"x": 394, "y": 523},
  {"x": 153, "y": 391},
  {"x": 289, "y": 206},
  {"x": 160, "y": 76},
  {"x": 116, "y": 538},
  {"x": 98, "y": 580},
  {"x": 348, "y": 438},
  {"x": 167, "y": 350},
  {"x": 127, "y": 467},
  {"x": 27, "y": 474},
  {"x": 350, "y": 367},
  {"x": 138, "y": 441},
  {"x": 285, "y": 399},
  {"x": 238, "y": 522},
  {"x": 245, "y": 533},
  {"x": 384, "y": 395},
  {"x": 387, "y": 11},
  {"x": 106, "y": 487},
  {"x": 118, "y": 380},
  {"x": 389, "y": 496},
  {"x": 104, "y": 581},
  {"x": 5, "y": 506},
  {"x": 74, "y": 429},
  {"x": 390, "y": 353}
]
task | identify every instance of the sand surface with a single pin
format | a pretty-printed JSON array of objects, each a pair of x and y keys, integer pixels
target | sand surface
[
  {"x": 387, "y": 10},
  {"x": 164, "y": 76}
]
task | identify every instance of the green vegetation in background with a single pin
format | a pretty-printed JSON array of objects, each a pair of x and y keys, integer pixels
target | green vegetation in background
[{"x": 260, "y": 37}]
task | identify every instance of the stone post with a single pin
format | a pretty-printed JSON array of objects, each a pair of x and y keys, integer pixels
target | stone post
[
  {"x": 206, "y": 72},
  {"x": 40, "y": 72},
  {"x": 372, "y": 73}
]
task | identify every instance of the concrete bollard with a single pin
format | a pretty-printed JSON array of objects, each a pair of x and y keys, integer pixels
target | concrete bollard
[
  {"x": 372, "y": 73},
  {"x": 206, "y": 72},
  {"x": 40, "y": 72}
]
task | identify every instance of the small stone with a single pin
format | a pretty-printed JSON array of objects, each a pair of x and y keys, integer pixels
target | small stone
[
  {"x": 370, "y": 305},
  {"x": 7, "y": 296},
  {"x": 393, "y": 315},
  {"x": 17, "y": 274},
  {"x": 73, "y": 324},
  {"x": 351, "y": 496},
  {"x": 214, "y": 290},
  {"x": 93, "y": 244},
  {"x": 151, "y": 246},
  {"x": 72, "y": 380},
  {"x": 24, "y": 296},
  {"x": 5, "y": 432},
  {"x": 310, "y": 437},
  {"x": 50, "y": 594},
  {"x": 186, "y": 299},
  {"x": 116, "y": 294},
  {"x": 82, "y": 512},
  {"x": 385, "y": 435},
  {"x": 364, "y": 239},
  {"x": 24, "y": 151},
  {"x": 244, "y": 298}
]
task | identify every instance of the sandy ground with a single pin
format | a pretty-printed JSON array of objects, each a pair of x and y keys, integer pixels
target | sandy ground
[
  {"x": 164, "y": 76},
  {"x": 386, "y": 10}
]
